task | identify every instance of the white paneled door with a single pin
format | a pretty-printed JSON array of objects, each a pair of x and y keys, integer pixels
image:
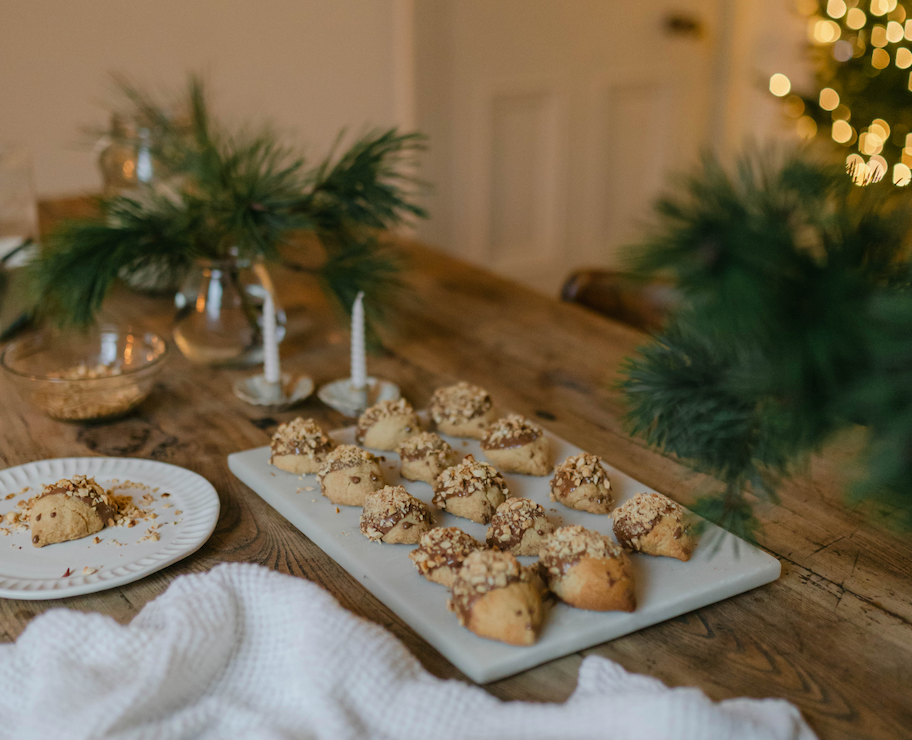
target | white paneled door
[{"x": 554, "y": 124}]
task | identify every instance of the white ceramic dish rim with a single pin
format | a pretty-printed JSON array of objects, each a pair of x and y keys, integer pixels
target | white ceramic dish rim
[{"x": 196, "y": 496}]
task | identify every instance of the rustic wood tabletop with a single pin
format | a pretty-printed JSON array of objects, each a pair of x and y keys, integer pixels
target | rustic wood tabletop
[{"x": 833, "y": 634}]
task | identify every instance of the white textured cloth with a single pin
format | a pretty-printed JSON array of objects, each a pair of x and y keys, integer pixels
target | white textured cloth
[{"x": 243, "y": 652}]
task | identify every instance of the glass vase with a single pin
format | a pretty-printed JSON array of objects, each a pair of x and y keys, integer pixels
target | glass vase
[{"x": 220, "y": 313}]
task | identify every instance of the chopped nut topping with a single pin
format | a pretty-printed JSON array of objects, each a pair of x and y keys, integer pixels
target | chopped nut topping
[
  {"x": 484, "y": 571},
  {"x": 301, "y": 437},
  {"x": 511, "y": 431},
  {"x": 568, "y": 545},
  {"x": 637, "y": 517},
  {"x": 442, "y": 547},
  {"x": 514, "y": 517},
  {"x": 384, "y": 410},
  {"x": 459, "y": 403},
  {"x": 72, "y": 397},
  {"x": 385, "y": 508},
  {"x": 580, "y": 469},
  {"x": 468, "y": 477},
  {"x": 80, "y": 486},
  {"x": 426, "y": 444},
  {"x": 345, "y": 456}
]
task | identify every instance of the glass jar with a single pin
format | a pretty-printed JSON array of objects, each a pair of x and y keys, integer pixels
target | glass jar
[
  {"x": 220, "y": 313},
  {"x": 126, "y": 160}
]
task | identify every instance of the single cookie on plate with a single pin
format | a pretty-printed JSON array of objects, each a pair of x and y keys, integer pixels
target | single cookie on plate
[
  {"x": 495, "y": 597},
  {"x": 519, "y": 526},
  {"x": 386, "y": 424},
  {"x": 587, "y": 570},
  {"x": 349, "y": 474},
  {"x": 70, "y": 510},
  {"x": 655, "y": 525},
  {"x": 441, "y": 553},
  {"x": 516, "y": 445},
  {"x": 471, "y": 489},
  {"x": 394, "y": 516},
  {"x": 462, "y": 410},
  {"x": 425, "y": 456},
  {"x": 300, "y": 446},
  {"x": 580, "y": 482}
]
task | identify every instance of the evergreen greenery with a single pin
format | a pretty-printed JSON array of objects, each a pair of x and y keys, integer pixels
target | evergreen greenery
[
  {"x": 796, "y": 321},
  {"x": 235, "y": 194}
]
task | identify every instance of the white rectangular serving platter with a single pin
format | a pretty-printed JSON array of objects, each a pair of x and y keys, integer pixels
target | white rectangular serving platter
[{"x": 665, "y": 588}]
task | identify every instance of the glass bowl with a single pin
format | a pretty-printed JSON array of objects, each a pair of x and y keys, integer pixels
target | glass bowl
[{"x": 85, "y": 376}]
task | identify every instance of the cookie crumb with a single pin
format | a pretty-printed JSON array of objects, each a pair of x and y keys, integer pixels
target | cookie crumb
[{"x": 87, "y": 571}]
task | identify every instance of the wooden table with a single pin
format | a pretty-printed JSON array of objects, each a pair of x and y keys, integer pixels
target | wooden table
[{"x": 833, "y": 635}]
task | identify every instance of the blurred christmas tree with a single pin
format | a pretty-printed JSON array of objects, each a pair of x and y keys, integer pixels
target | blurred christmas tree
[
  {"x": 862, "y": 54},
  {"x": 795, "y": 323}
]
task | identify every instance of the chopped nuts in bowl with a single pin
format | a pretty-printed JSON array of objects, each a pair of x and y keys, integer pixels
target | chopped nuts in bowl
[{"x": 85, "y": 376}]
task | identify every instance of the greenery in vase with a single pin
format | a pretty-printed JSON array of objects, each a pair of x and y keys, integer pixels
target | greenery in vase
[
  {"x": 240, "y": 194},
  {"x": 796, "y": 322}
]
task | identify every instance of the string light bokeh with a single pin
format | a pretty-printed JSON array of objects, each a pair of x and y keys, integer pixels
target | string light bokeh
[{"x": 863, "y": 55}]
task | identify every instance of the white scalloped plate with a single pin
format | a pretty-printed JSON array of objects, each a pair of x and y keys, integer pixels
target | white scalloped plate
[{"x": 28, "y": 572}]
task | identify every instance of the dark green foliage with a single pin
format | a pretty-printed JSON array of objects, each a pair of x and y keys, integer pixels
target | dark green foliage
[
  {"x": 241, "y": 194},
  {"x": 796, "y": 321},
  {"x": 83, "y": 257}
]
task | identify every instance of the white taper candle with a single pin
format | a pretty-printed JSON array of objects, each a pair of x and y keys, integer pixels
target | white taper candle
[
  {"x": 358, "y": 357},
  {"x": 271, "y": 367}
]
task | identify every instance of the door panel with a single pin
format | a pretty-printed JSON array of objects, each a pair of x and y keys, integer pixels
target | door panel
[{"x": 554, "y": 124}]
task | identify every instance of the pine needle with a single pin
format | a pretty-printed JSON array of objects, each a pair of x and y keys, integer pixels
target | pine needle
[
  {"x": 797, "y": 321},
  {"x": 235, "y": 194}
]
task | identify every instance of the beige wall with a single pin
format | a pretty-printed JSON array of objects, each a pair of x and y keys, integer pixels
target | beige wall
[{"x": 313, "y": 66}]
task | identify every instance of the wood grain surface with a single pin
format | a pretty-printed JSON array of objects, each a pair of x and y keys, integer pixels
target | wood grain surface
[{"x": 833, "y": 635}]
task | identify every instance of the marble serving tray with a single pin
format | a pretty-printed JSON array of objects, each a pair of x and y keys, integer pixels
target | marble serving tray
[{"x": 665, "y": 588}]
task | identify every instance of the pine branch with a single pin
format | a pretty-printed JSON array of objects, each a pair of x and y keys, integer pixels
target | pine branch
[
  {"x": 367, "y": 185},
  {"x": 83, "y": 258},
  {"x": 241, "y": 193},
  {"x": 355, "y": 263},
  {"x": 796, "y": 321}
]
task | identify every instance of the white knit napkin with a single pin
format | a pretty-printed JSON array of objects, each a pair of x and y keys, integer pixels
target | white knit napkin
[{"x": 243, "y": 652}]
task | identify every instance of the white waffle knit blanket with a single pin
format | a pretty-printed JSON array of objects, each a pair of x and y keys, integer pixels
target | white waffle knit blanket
[{"x": 243, "y": 652}]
